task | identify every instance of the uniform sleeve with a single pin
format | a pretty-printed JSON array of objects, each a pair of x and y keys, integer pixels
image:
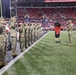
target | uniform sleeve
[
  {"x": 70, "y": 27},
  {"x": 4, "y": 38},
  {"x": 20, "y": 30}
]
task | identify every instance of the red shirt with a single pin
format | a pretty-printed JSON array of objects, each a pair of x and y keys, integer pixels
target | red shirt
[{"x": 57, "y": 29}]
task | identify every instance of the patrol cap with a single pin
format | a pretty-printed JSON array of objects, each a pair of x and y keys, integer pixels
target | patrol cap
[
  {"x": 29, "y": 23},
  {"x": 16, "y": 23},
  {"x": 69, "y": 21},
  {"x": 57, "y": 23},
  {"x": 24, "y": 24},
  {"x": 20, "y": 24}
]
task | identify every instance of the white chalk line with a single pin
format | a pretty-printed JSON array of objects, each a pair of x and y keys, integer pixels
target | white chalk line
[{"x": 20, "y": 55}]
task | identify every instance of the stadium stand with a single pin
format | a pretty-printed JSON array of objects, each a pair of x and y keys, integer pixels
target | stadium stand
[{"x": 51, "y": 14}]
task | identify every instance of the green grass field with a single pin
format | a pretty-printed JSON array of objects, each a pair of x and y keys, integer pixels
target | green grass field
[{"x": 48, "y": 58}]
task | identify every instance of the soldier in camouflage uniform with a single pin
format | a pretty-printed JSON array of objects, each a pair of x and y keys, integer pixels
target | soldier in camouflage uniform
[
  {"x": 26, "y": 32},
  {"x": 32, "y": 33},
  {"x": 40, "y": 30},
  {"x": 13, "y": 40},
  {"x": 2, "y": 46},
  {"x": 22, "y": 38},
  {"x": 70, "y": 29},
  {"x": 12, "y": 21},
  {"x": 29, "y": 34},
  {"x": 35, "y": 32},
  {"x": 13, "y": 35}
]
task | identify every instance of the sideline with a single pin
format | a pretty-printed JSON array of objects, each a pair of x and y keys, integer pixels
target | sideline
[{"x": 20, "y": 55}]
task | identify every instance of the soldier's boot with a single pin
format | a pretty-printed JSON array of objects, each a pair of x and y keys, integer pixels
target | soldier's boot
[
  {"x": 36, "y": 39},
  {"x": 2, "y": 64},
  {"x": 32, "y": 40},
  {"x": 14, "y": 54},
  {"x": 26, "y": 45},
  {"x": 22, "y": 49},
  {"x": 30, "y": 43}
]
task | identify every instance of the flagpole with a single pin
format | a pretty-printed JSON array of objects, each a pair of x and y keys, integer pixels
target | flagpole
[
  {"x": 1, "y": 8},
  {"x": 16, "y": 8},
  {"x": 10, "y": 9}
]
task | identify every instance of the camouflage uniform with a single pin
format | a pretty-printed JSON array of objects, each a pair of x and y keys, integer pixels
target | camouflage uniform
[
  {"x": 13, "y": 40},
  {"x": 26, "y": 30},
  {"x": 29, "y": 34},
  {"x": 39, "y": 30},
  {"x": 2, "y": 46},
  {"x": 35, "y": 31},
  {"x": 70, "y": 29},
  {"x": 13, "y": 20},
  {"x": 22, "y": 39},
  {"x": 13, "y": 35},
  {"x": 32, "y": 33}
]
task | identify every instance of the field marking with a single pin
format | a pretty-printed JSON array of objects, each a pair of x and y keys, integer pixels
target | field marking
[
  {"x": 33, "y": 56},
  {"x": 49, "y": 44},
  {"x": 20, "y": 55},
  {"x": 28, "y": 67},
  {"x": 36, "y": 51}
]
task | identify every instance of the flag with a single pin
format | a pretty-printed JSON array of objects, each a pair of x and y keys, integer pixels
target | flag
[{"x": 7, "y": 28}]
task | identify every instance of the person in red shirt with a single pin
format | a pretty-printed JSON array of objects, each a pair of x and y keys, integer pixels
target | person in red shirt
[{"x": 57, "y": 29}]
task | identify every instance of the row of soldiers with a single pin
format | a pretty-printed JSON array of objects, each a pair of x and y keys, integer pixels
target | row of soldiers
[{"x": 28, "y": 34}]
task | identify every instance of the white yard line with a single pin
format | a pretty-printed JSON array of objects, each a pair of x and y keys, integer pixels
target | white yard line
[
  {"x": 20, "y": 55},
  {"x": 33, "y": 56}
]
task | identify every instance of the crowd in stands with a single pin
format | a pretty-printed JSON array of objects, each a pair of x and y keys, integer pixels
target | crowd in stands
[{"x": 48, "y": 15}]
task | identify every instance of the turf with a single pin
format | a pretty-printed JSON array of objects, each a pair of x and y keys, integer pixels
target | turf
[{"x": 48, "y": 58}]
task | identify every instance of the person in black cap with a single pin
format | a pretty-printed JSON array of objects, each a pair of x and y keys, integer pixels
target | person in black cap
[{"x": 57, "y": 29}]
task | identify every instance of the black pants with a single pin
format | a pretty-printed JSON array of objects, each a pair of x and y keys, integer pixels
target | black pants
[{"x": 57, "y": 35}]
